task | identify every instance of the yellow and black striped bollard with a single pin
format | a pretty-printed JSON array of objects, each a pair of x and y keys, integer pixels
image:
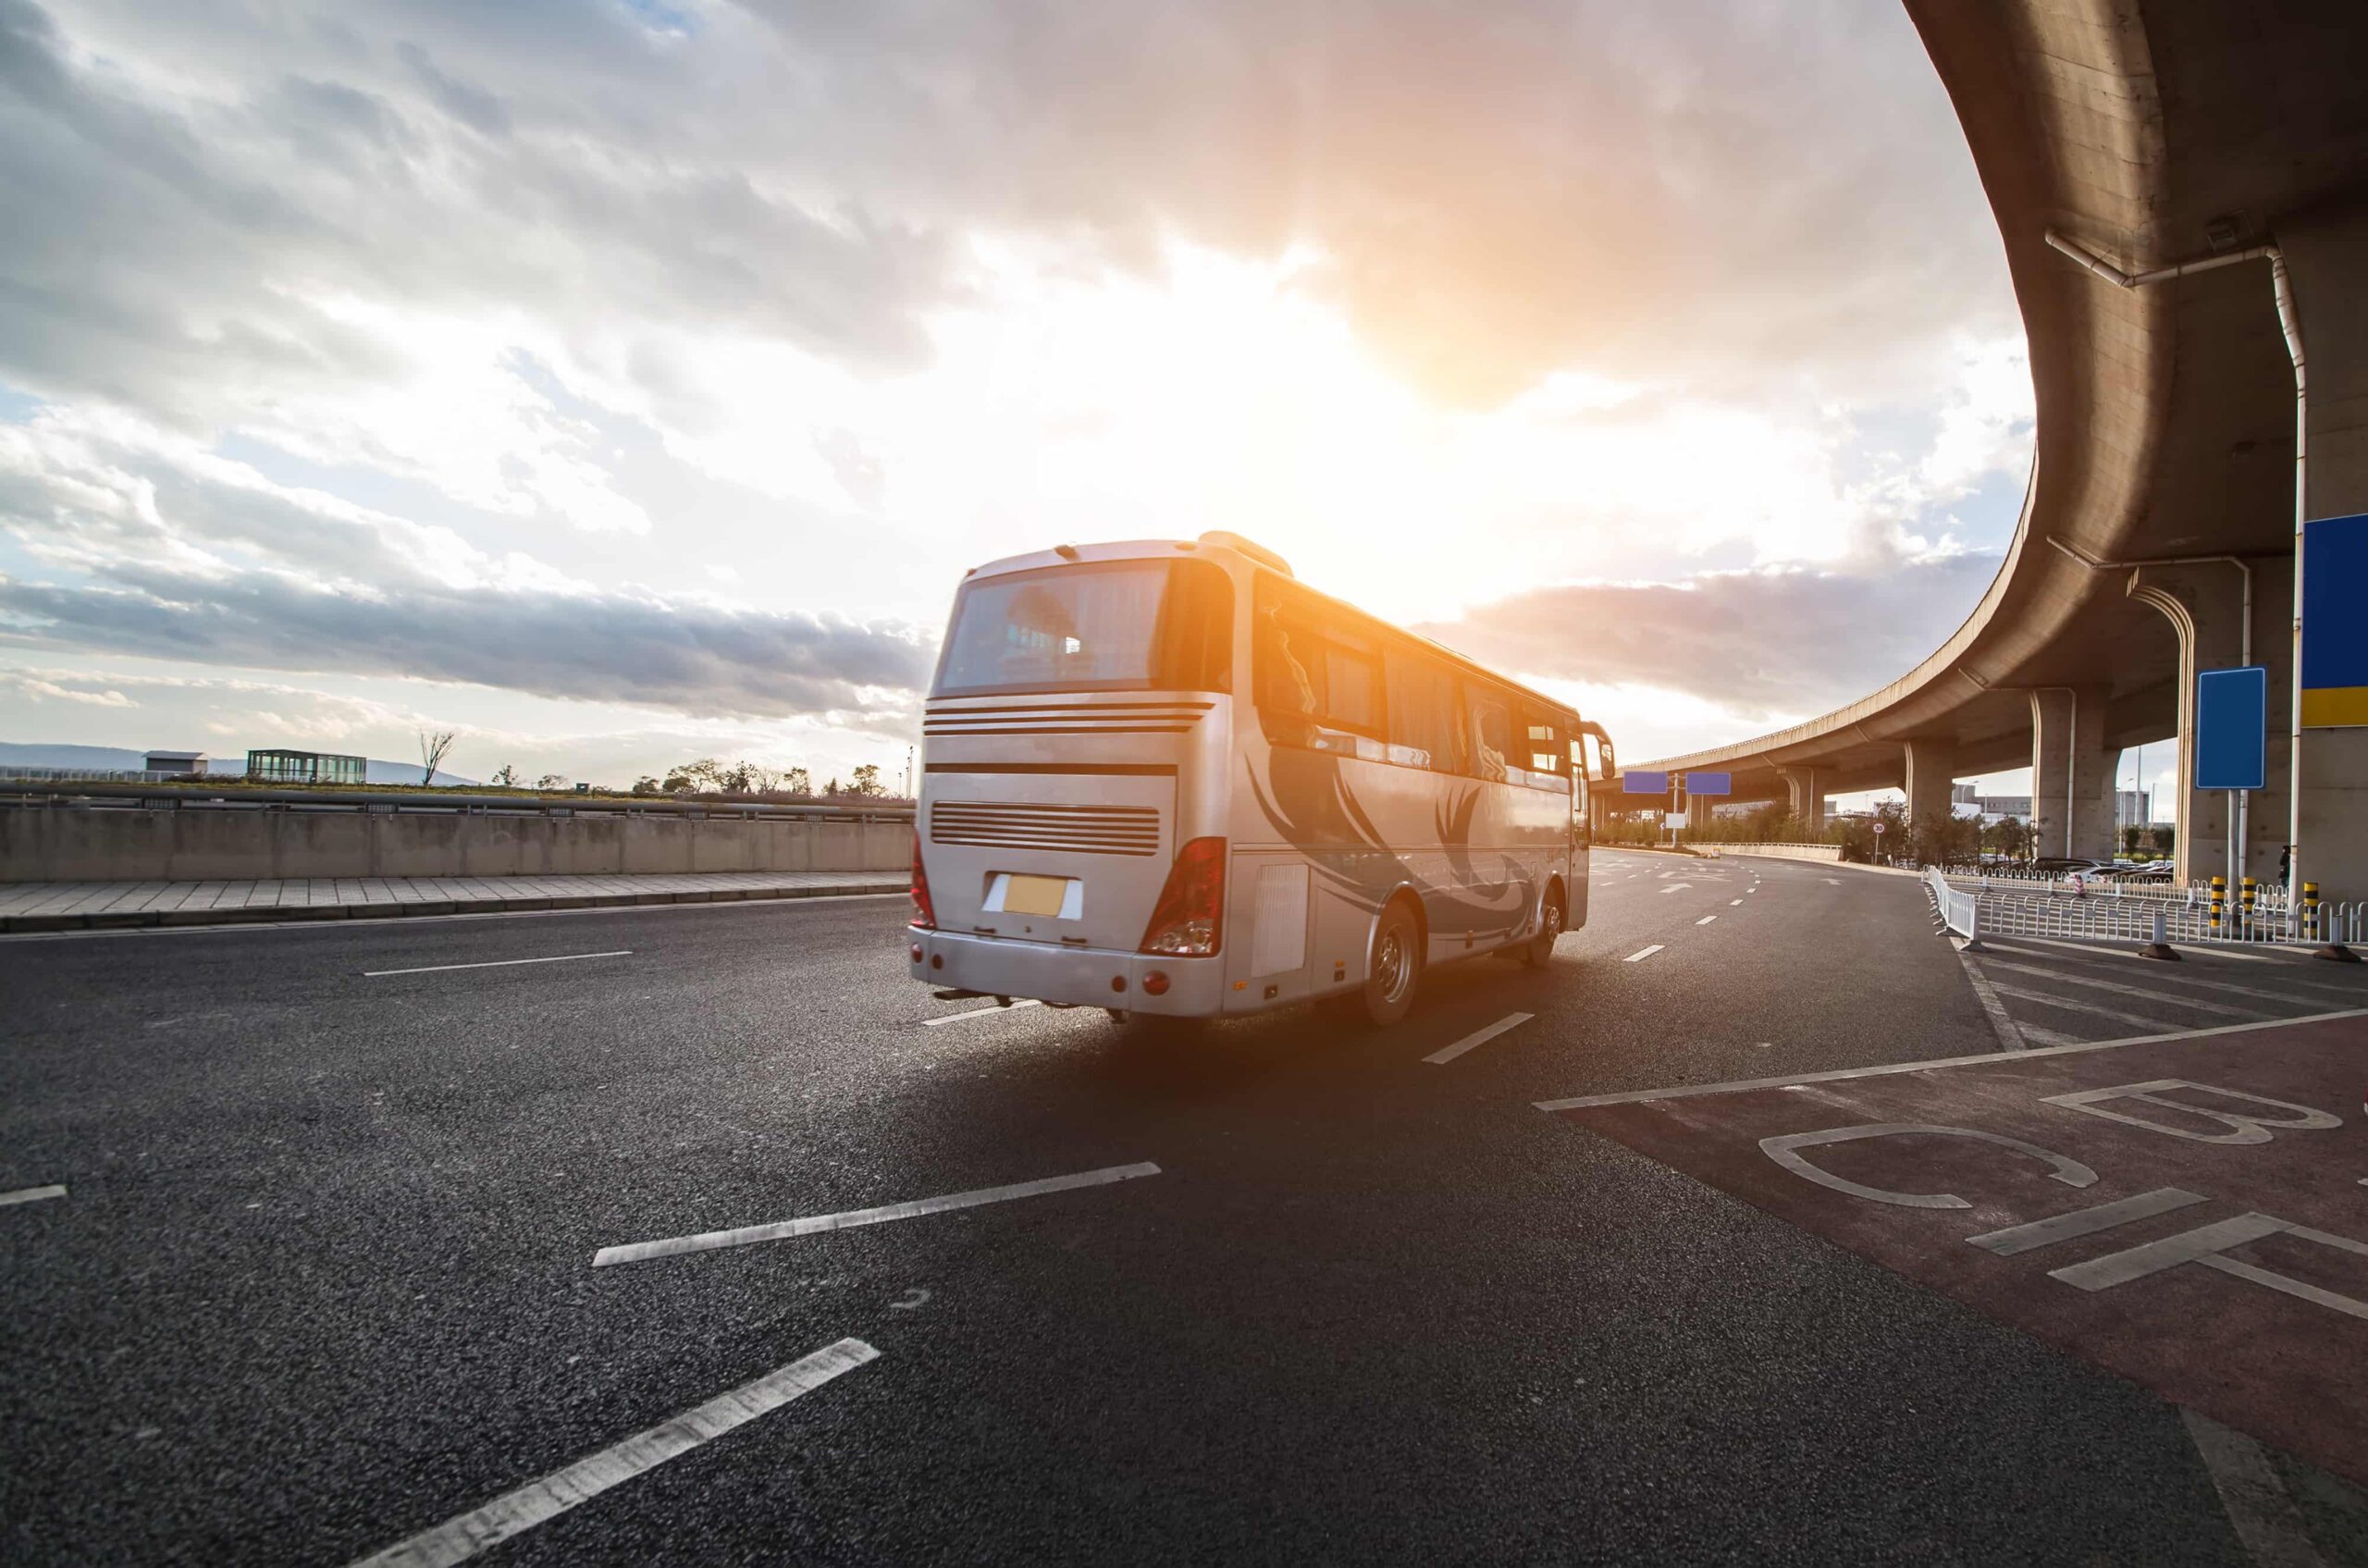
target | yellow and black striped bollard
[
  {"x": 2247, "y": 893},
  {"x": 2310, "y": 910},
  {"x": 2219, "y": 901}
]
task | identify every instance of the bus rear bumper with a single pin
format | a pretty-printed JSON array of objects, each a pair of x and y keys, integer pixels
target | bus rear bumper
[{"x": 1081, "y": 977}]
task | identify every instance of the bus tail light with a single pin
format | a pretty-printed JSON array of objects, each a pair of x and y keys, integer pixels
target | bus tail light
[
  {"x": 1189, "y": 920},
  {"x": 924, "y": 915}
]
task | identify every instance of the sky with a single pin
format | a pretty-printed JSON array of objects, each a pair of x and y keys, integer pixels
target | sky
[{"x": 617, "y": 382}]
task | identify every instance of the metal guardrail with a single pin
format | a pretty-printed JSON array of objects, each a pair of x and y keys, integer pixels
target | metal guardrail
[
  {"x": 1975, "y": 908},
  {"x": 39, "y": 796}
]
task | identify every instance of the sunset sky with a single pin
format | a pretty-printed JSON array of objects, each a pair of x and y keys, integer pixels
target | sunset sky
[{"x": 622, "y": 382}]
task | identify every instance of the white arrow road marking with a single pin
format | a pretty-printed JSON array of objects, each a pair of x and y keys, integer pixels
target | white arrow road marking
[
  {"x": 458, "y": 1539},
  {"x": 1675, "y": 886}
]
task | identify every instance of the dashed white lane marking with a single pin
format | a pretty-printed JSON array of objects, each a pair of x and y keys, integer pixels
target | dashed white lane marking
[
  {"x": 1705, "y": 920},
  {"x": 458, "y": 1539},
  {"x": 781, "y": 1230},
  {"x": 977, "y": 1012},
  {"x": 2259, "y": 1506},
  {"x": 500, "y": 963},
  {"x": 1732, "y": 902},
  {"x": 1479, "y": 1037},
  {"x": 1644, "y": 953},
  {"x": 31, "y": 1195}
]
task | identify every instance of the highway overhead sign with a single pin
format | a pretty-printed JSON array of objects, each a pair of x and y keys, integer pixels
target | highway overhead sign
[
  {"x": 1709, "y": 784},
  {"x": 1634, "y": 782},
  {"x": 2232, "y": 728}
]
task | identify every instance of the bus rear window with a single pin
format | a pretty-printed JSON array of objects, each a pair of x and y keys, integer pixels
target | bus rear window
[{"x": 1100, "y": 627}]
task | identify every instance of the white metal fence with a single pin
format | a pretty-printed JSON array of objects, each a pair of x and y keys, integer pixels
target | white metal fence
[{"x": 1977, "y": 907}]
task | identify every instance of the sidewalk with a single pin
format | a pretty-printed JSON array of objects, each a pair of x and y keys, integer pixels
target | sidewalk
[{"x": 97, "y": 906}]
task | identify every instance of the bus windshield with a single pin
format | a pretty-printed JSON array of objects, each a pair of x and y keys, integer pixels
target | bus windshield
[{"x": 1097, "y": 626}]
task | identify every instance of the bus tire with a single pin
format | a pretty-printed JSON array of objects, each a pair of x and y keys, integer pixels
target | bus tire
[
  {"x": 1539, "y": 949},
  {"x": 1397, "y": 965}
]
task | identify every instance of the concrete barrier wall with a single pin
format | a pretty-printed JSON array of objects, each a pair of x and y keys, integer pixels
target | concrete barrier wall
[
  {"x": 123, "y": 846},
  {"x": 1781, "y": 851}
]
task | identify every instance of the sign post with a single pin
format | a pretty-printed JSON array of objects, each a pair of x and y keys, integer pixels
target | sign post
[{"x": 2232, "y": 741}]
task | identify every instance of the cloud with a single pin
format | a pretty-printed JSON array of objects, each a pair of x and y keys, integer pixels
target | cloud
[
  {"x": 1764, "y": 647},
  {"x": 37, "y": 686}
]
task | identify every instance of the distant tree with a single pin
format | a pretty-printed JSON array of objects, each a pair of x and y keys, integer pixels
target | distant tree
[
  {"x": 703, "y": 774},
  {"x": 831, "y": 788},
  {"x": 552, "y": 781},
  {"x": 797, "y": 781},
  {"x": 507, "y": 777},
  {"x": 867, "y": 781},
  {"x": 645, "y": 786},
  {"x": 433, "y": 745}
]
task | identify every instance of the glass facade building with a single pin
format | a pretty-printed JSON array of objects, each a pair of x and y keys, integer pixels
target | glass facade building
[{"x": 306, "y": 768}]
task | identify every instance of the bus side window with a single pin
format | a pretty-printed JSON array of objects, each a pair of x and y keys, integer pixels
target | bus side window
[
  {"x": 1541, "y": 752},
  {"x": 1491, "y": 735},
  {"x": 1425, "y": 712}
]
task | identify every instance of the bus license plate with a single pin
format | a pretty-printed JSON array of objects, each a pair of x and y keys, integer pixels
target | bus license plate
[{"x": 1035, "y": 895}]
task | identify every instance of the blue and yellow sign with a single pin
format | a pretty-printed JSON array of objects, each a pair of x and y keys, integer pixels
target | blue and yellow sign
[{"x": 2335, "y": 632}]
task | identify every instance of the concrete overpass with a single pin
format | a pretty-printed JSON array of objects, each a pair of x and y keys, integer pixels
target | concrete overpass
[{"x": 2158, "y": 535}]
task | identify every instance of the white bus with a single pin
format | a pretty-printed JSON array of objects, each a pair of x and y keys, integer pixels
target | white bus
[{"x": 1166, "y": 778}]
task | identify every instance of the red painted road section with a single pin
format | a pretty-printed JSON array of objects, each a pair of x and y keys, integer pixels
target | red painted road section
[{"x": 2220, "y": 1255}]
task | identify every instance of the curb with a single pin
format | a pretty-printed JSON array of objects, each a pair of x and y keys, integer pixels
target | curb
[{"x": 397, "y": 910}]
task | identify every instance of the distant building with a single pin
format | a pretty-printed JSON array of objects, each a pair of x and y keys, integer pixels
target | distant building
[
  {"x": 306, "y": 768},
  {"x": 176, "y": 762}
]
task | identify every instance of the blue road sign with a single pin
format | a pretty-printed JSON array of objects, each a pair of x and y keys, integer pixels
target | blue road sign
[
  {"x": 1634, "y": 782},
  {"x": 2335, "y": 634},
  {"x": 2232, "y": 728},
  {"x": 1709, "y": 784}
]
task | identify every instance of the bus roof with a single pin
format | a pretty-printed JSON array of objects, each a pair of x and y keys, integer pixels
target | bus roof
[{"x": 1217, "y": 542}]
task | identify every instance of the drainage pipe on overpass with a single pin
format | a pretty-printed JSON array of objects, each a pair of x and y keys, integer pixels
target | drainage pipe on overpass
[{"x": 2289, "y": 322}]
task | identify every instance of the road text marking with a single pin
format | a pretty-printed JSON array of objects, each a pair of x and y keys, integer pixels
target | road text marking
[
  {"x": 781, "y": 1230},
  {"x": 500, "y": 963},
  {"x": 457, "y": 1540},
  {"x": 1644, "y": 953},
  {"x": 977, "y": 1012},
  {"x": 31, "y": 1195},
  {"x": 1479, "y": 1037},
  {"x": 2259, "y": 1505}
]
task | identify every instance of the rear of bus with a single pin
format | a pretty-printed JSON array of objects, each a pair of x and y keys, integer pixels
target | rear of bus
[{"x": 1068, "y": 845}]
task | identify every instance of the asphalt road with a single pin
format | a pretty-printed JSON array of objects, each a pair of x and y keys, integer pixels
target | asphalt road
[{"x": 324, "y": 1280}]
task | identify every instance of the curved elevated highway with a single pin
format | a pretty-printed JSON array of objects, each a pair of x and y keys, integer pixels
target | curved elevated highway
[{"x": 2158, "y": 535}]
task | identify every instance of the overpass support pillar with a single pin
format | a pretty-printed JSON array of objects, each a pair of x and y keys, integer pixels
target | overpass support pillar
[
  {"x": 2327, "y": 254},
  {"x": 1927, "y": 787},
  {"x": 1699, "y": 809},
  {"x": 2072, "y": 771},
  {"x": 1807, "y": 787},
  {"x": 2204, "y": 603}
]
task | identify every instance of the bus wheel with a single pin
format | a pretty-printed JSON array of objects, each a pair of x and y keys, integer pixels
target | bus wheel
[
  {"x": 1396, "y": 963},
  {"x": 1540, "y": 949}
]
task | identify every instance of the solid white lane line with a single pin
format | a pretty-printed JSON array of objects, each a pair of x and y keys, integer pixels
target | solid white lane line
[
  {"x": 1644, "y": 953},
  {"x": 500, "y": 963},
  {"x": 2038, "y": 1036},
  {"x": 1744, "y": 1085},
  {"x": 977, "y": 1012},
  {"x": 458, "y": 1539},
  {"x": 1480, "y": 1037},
  {"x": 2259, "y": 1506},
  {"x": 781, "y": 1230},
  {"x": 2002, "y": 1022},
  {"x": 31, "y": 1195},
  {"x": 1705, "y": 920}
]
